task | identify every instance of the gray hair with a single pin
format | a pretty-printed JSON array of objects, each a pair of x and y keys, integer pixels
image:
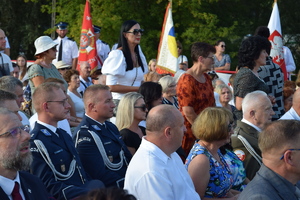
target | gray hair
[
  {"x": 9, "y": 83},
  {"x": 251, "y": 100}
]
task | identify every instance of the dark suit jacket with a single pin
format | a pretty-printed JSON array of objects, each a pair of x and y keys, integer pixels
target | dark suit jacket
[
  {"x": 61, "y": 151},
  {"x": 91, "y": 157},
  {"x": 251, "y": 135},
  {"x": 33, "y": 188},
  {"x": 267, "y": 185}
]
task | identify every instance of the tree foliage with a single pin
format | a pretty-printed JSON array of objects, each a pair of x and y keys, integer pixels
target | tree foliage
[{"x": 194, "y": 20}]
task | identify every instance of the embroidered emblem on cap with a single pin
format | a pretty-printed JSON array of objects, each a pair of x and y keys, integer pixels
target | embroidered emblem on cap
[
  {"x": 241, "y": 154},
  {"x": 46, "y": 132}
]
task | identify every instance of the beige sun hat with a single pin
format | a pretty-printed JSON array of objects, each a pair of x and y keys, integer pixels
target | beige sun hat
[
  {"x": 43, "y": 44},
  {"x": 61, "y": 64}
]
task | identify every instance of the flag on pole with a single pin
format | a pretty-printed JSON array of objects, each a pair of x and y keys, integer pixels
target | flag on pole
[
  {"x": 87, "y": 50},
  {"x": 167, "y": 50},
  {"x": 276, "y": 39}
]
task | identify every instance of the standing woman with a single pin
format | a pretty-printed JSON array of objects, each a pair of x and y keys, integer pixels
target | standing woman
[
  {"x": 125, "y": 67},
  {"x": 132, "y": 110},
  {"x": 43, "y": 67},
  {"x": 222, "y": 61},
  {"x": 252, "y": 54},
  {"x": 22, "y": 63},
  {"x": 194, "y": 89}
]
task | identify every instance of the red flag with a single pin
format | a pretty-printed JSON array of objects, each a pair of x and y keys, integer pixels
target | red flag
[
  {"x": 276, "y": 40},
  {"x": 87, "y": 50}
]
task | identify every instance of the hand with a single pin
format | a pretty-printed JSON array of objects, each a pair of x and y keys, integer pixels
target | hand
[{"x": 272, "y": 99}]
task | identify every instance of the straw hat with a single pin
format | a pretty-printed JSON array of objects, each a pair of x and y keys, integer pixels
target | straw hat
[
  {"x": 43, "y": 44},
  {"x": 61, "y": 64}
]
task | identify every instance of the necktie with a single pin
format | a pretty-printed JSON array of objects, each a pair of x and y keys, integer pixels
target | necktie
[
  {"x": 16, "y": 193},
  {"x": 60, "y": 51}
]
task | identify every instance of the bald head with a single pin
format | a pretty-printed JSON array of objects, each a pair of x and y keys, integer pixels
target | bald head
[
  {"x": 85, "y": 70},
  {"x": 2, "y": 40}
]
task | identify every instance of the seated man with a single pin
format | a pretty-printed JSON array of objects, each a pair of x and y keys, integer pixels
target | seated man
[
  {"x": 279, "y": 173},
  {"x": 257, "y": 112},
  {"x": 156, "y": 171},
  {"x": 103, "y": 153},
  {"x": 56, "y": 160},
  {"x": 15, "y": 159}
]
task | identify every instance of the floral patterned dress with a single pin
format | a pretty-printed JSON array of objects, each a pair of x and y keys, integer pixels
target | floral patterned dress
[{"x": 220, "y": 180}]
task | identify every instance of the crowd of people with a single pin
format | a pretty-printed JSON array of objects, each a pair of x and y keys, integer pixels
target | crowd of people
[{"x": 123, "y": 131}]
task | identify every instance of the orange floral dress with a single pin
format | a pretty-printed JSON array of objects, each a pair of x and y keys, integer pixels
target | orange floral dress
[{"x": 197, "y": 95}]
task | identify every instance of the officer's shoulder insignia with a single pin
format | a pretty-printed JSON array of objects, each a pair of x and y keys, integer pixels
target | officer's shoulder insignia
[
  {"x": 240, "y": 153},
  {"x": 97, "y": 128},
  {"x": 84, "y": 126},
  {"x": 46, "y": 132}
]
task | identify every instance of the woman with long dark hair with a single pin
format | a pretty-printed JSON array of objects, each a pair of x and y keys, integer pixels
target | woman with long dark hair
[{"x": 125, "y": 67}]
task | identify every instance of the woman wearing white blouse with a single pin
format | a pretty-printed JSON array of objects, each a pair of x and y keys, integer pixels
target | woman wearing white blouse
[{"x": 125, "y": 67}]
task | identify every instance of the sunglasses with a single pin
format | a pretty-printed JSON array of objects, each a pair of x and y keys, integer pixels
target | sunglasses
[
  {"x": 16, "y": 131},
  {"x": 223, "y": 46},
  {"x": 143, "y": 107},
  {"x": 136, "y": 31},
  {"x": 66, "y": 68}
]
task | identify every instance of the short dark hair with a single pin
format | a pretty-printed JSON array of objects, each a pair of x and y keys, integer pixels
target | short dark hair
[
  {"x": 250, "y": 50},
  {"x": 201, "y": 49},
  {"x": 5, "y": 95},
  {"x": 151, "y": 91},
  {"x": 262, "y": 31}
]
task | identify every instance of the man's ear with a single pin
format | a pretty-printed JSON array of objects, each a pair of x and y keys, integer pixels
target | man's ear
[
  {"x": 45, "y": 106},
  {"x": 252, "y": 113},
  {"x": 91, "y": 106},
  {"x": 167, "y": 132}
]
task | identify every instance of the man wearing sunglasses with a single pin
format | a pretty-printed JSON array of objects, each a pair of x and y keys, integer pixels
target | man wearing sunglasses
[
  {"x": 103, "y": 153},
  {"x": 280, "y": 171},
  {"x": 56, "y": 161},
  {"x": 15, "y": 159}
]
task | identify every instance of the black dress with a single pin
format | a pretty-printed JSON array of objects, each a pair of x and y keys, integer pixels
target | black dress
[{"x": 132, "y": 139}]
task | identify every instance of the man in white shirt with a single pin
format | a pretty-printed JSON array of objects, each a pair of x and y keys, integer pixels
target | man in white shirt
[
  {"x": 85, "y": 77},
  {"x": 5, "y": 63},
  {"x": 67, "y": 49},
  {"x": 294, "y": 111},
  {"x": 289, "y": 61},
  {"x": 15, "y": 159},
  {"x": 156, "y": 171},
  {"x": 257, "y": 113},
  {"x": 102, "y": 47}
]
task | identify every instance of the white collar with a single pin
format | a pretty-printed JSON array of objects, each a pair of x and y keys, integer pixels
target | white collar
[
  {"x": 8, "y": 184},
  {"x": 250, "y": 124}
]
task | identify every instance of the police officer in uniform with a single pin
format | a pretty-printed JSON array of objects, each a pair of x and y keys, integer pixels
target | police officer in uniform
[
  {"x": 102, "y": 47},
  {"x": 55, "y": 159},
  {"x": 67, "y": 49},
  {"x": 257, "y": 113},
  {"x": 101, "y": 149}
]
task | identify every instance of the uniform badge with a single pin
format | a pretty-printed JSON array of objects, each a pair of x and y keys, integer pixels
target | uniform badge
[
  {"x": 63, "y": 168},
  {"x": 96, "y": 127},
  {"x": 241, "y": 154},
  {"x": 29, "y": 190},
  {"x": 46, "y": 132}
]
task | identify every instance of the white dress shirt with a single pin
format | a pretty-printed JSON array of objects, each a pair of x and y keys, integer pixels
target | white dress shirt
[
  {"x": 8, "y": 185},
  {"x": 151, "y": 174},
  {"x": 291, "y": 114}
]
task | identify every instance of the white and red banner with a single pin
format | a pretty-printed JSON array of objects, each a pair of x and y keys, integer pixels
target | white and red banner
[
  {"x": 87, "y": 50},
  {"x": 167, "y": 50},
  {"x": 276, "y": 39}
]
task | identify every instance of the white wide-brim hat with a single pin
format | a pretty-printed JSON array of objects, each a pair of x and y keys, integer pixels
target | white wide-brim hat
[
  {"x": 43, "y": 44},
  {"x": 61, "y": 64}
]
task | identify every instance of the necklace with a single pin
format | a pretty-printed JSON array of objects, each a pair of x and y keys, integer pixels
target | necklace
[{"x": 218, "y": 158}]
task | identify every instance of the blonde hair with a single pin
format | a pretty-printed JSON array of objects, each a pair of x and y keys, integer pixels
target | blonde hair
[
  {"x": 165, "y": 82},
  {"x": 150, "y": 62},
  {"x": 220, "y": 87},
  {"x": 125, "y": 113},
  {"x": 212, "y": 124}
]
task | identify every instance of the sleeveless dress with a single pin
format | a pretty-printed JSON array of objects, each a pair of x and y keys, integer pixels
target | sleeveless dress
[{"x": 220, "y": 180}]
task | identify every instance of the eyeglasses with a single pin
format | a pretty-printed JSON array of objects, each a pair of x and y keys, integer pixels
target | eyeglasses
[
  {"x": 223, "y": 46},
  {"x": 16, "y": 131},
  {"x": 290, "y": 150},
  {"x": 211, "y": 57},
  {"x": 136, "y": 31},
  {"x": 66, "y": 68},
  {"x": 173, "y": 85},
  {"x": 143, "y": 107},
  {"x": 63, "y": 102}
]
